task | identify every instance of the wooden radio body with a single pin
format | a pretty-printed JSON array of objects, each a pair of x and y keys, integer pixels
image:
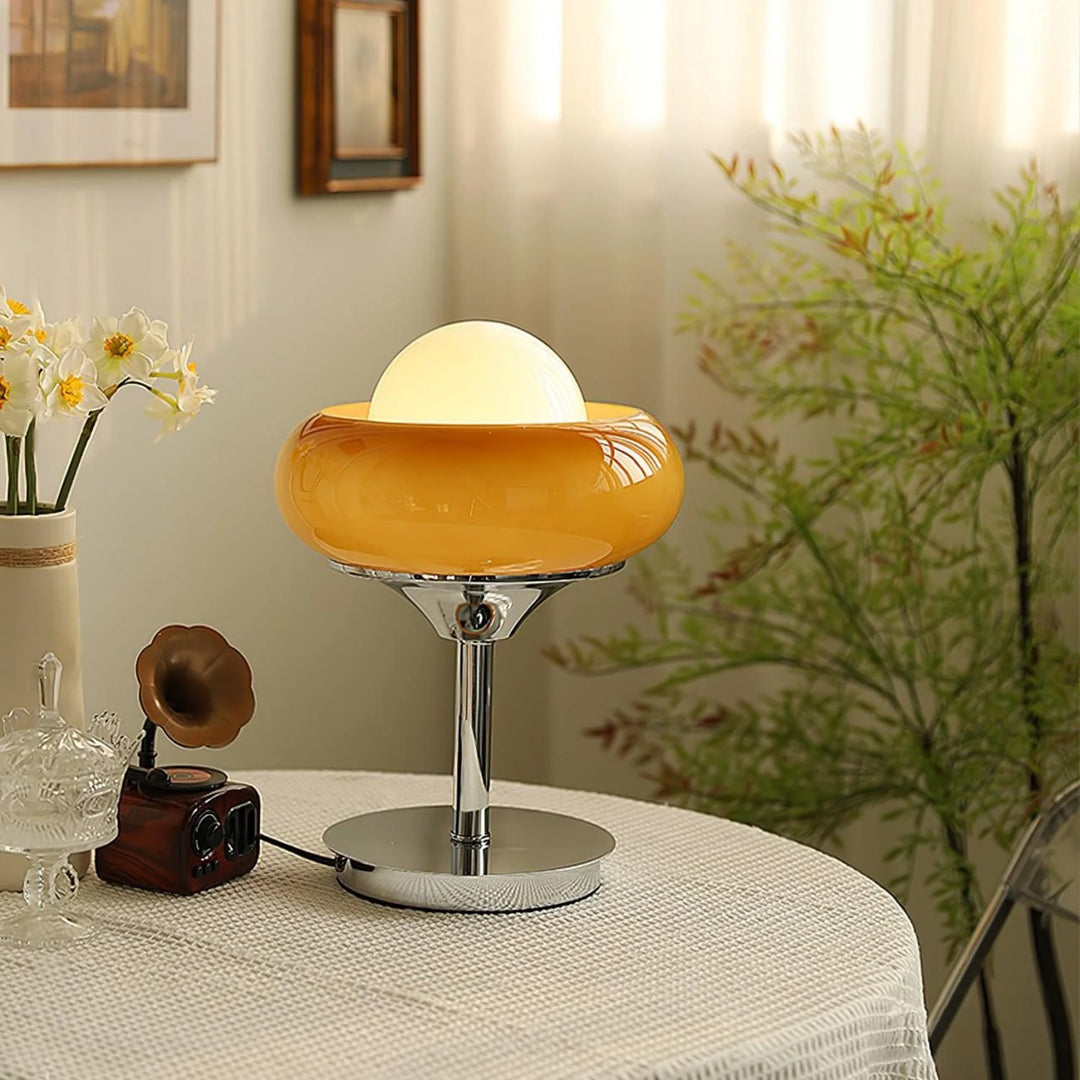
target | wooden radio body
[{"x": 182, "y": 841}]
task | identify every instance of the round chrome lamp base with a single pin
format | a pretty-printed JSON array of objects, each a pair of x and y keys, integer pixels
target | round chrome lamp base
[{"x": 405, "y": 857}]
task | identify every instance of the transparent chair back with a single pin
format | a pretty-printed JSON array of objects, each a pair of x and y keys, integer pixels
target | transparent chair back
[{"x": 1043, "y": 873}]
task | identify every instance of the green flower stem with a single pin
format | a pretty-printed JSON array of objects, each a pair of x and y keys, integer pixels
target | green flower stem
[
  {"x": 14, "y": 445},
  {"x": 31, "y": 470},
  {"x": 84, "y": 437},
  {"x": 7, "y": 462},
  {"x": 76, "y": 459}
]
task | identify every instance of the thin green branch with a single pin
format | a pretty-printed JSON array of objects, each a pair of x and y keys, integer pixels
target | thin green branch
[
  {"x": 1060, "y": 278},
  {"x": 850, "y": 609}
]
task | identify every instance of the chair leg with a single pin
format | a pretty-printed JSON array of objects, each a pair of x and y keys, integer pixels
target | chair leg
[
  {"x": 1053, "y": 994},
  {"x": 968, "y": 966}
]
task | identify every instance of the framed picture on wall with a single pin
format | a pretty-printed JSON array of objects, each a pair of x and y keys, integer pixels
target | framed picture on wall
[
  {"x": 108, "y": 82},
  {"x": 358, "y": 112}
]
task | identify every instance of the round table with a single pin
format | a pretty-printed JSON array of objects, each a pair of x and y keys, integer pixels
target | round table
[{"x": 712, "y": 950}]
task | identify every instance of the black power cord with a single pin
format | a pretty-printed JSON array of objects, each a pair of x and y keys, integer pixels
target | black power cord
[{"x": 324, "y": 860}]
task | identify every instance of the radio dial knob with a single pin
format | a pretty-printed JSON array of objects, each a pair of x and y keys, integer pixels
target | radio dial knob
[{"x": 207, "y": 834}]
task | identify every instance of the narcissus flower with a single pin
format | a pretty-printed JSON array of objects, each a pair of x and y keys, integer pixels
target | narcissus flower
[
  {"x": 57, "y": 336},
  {"x": 15, "y": 320},
  {"x": 128, "y": 346},
  {"x": 175, "y": 411},
  {"x": 11, "y": 305},
  {"x": 20, "y": 391},
  {"x": 69, "y": 385}
]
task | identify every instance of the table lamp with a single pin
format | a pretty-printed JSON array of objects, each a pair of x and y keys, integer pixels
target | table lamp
[{"x": 477, "y": 482}]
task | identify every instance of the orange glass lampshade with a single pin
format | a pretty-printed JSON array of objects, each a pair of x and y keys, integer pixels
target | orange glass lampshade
[{"x": 479, "y": 498}]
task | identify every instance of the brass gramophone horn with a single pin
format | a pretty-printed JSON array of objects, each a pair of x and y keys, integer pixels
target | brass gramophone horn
[{"x": 195, "y": 686}]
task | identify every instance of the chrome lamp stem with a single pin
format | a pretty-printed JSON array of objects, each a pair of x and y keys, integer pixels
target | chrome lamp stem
[{"x": 472, "y": 750}]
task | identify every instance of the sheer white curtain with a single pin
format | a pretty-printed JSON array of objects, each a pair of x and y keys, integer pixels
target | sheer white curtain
[{"x": 582, "y": 188}]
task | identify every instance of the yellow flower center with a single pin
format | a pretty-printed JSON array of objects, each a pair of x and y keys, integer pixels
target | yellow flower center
[
  {"x": 5, "y": 390},
  {"x": 192, "y": 367},
  {"x": 71, "y": 391},
  {"x": 41, "y": 335},
  {"x": 118, "y": 346},
  {"x": 18, "y": 307},
  {"x": 5, "y": 337}
]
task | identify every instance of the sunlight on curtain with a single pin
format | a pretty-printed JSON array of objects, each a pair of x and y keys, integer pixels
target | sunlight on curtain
[
  {"x": 630, "y": 61},
  {"x": 534, "y": 35},
  {"x": 633, "y": 62},
  {"x": 774, "y": 97},
  {"x": 1040, "y": 93},
  {"x": 833, "y": 61},
  {"x": 856, "y": 61},
  {"x": 826, "y": 63}
]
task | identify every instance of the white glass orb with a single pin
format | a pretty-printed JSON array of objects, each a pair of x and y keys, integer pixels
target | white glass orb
[{"x": 477, "y": 373}]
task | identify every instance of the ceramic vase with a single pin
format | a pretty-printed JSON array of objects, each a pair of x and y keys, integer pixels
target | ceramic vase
[{"x": 39, "y": 613}]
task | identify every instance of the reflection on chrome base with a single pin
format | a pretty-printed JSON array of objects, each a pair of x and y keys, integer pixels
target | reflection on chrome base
[{"x": 404, "y": 857}]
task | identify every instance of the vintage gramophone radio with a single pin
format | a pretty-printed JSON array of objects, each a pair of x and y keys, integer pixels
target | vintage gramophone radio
[{"x": 186, "y": 828}]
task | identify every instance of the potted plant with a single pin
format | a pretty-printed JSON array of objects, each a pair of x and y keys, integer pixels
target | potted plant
[
  {"x": 900, "y": 589},
  {"x": 55, "y": 373}
]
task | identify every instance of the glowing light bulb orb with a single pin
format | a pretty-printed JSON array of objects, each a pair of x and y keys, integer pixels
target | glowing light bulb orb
[{"x": 477, "y": 372}]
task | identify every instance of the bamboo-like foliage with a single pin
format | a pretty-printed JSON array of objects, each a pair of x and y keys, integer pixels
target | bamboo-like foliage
[{"x": 897, "y": 594}]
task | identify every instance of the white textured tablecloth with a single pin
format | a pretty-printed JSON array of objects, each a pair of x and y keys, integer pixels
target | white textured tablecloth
[{"x": 712, "y": 950}]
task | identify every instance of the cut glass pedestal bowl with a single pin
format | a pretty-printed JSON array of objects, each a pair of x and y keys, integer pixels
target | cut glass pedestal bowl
[{"x": 59, "y": 793}]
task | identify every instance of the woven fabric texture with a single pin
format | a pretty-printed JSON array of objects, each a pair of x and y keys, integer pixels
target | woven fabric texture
[{"x": 712, "y": 951}]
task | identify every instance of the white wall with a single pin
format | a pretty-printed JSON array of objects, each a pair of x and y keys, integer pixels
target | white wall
[{"x": 295, "y": 303}]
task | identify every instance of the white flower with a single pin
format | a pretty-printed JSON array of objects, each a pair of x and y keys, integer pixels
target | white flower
[
  {"x": 70, "y": 385},
  {"x": 126, "y": 346},
  {"x": 11, "y": 305},
  {"x": 36, "y": 330},
  {"x": 174, "y": 412},
  {"x": 20, "y": 391},
  {"x": 15, "y": 320},
  {"x": 58, "y": 336}
]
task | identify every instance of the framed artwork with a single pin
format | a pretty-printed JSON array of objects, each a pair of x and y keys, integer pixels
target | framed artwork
[
  {"x": 358, "y": 113},
  {"x": 108, "y": 82}
]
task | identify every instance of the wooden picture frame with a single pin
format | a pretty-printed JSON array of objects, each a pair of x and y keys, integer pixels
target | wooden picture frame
[
  {"x": 130, "y": 82},
  {"x": 358, "y": 102}
]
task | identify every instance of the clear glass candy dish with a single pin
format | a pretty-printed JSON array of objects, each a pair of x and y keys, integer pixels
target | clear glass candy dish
[{"x": 59, "y": 792}]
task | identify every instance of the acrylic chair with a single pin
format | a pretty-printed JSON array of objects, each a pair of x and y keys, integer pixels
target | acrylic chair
[{"x": 1043, "y": 873}]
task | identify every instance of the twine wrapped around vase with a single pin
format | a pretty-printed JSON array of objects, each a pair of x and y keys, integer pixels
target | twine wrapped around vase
[{"x": 28, "y": 558}]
